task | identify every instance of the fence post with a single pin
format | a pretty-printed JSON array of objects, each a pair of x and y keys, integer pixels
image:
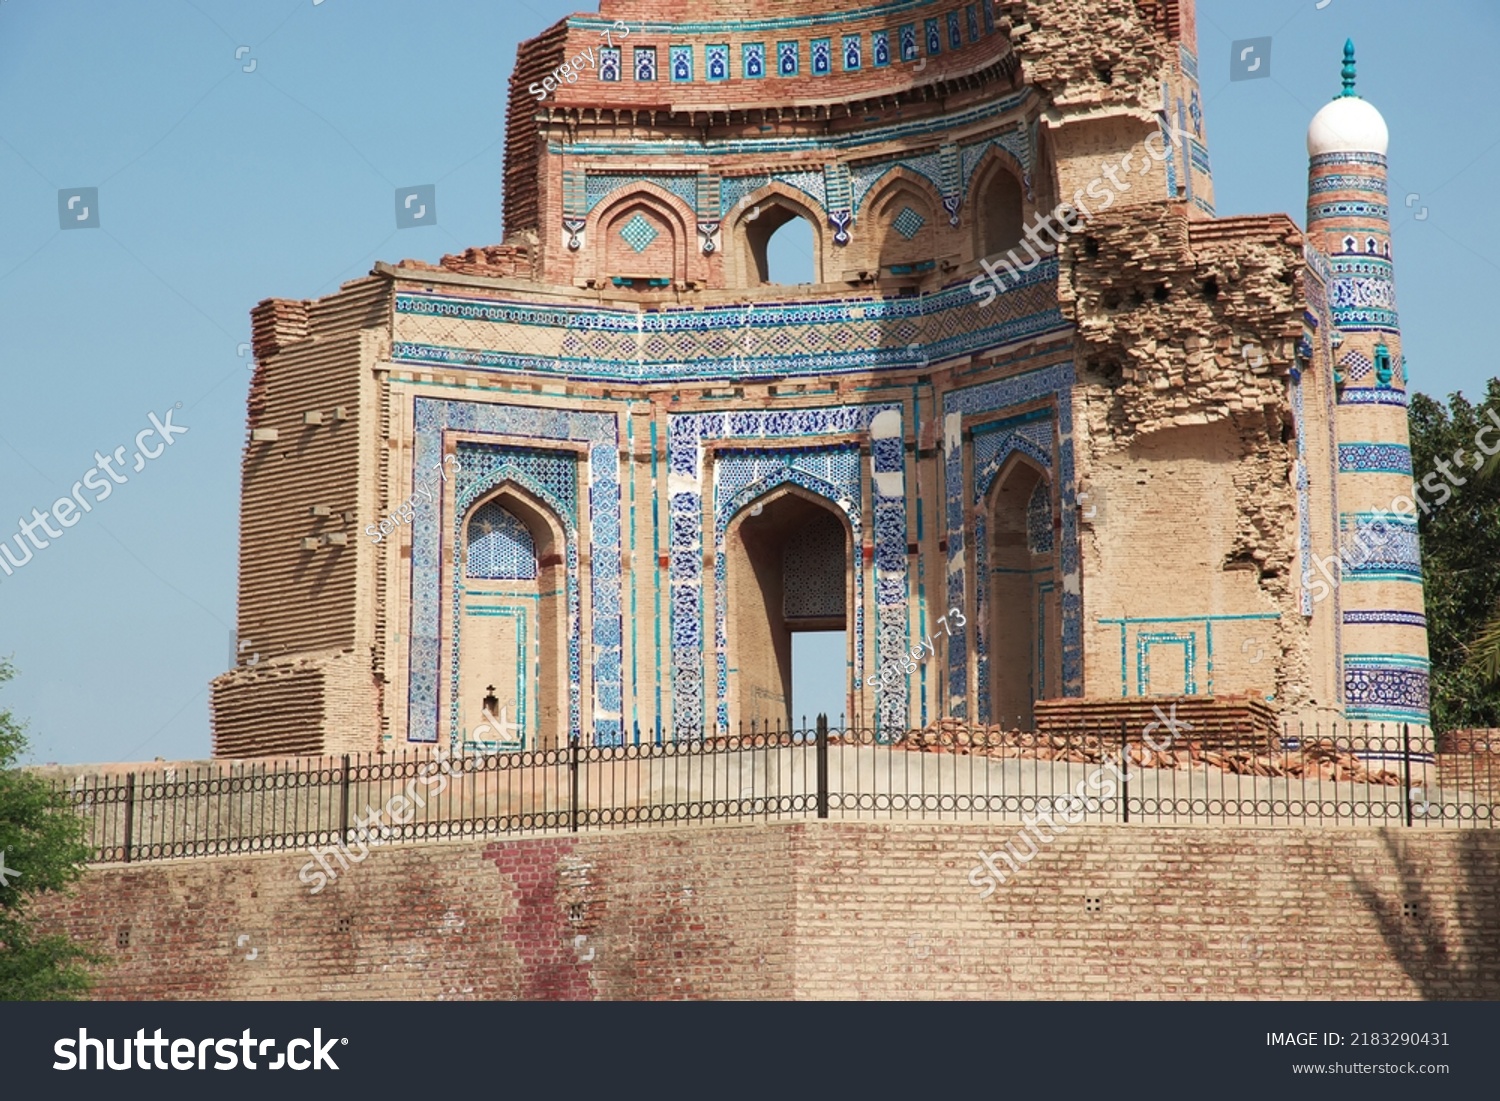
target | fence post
[
  {"x": 573, "y": 783},
  {"x": 822, "y": 759},
  {"x": 1406, "y": 767},
  {"x": 1124, "y": 770},
  {"x": 129, "y": 813},
  {"x": 344, "y": 801}
]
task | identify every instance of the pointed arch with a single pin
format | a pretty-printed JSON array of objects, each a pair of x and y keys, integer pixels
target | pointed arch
[
  {"x": 1018, "y": 606},
  {"x": 757, "y": 218},
  {"x": 514, "y": 620},
  {"x": 904, "y": 218},
  {"x": 996, "y": 203},
  {"x": 772, "y": 590},
  {"x": 642, "y": 234}
]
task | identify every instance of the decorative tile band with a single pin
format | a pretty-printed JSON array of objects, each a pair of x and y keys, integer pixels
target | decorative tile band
[
  {"x": 1371, "y": 395},
  {"x": 1374, "y": 458},
  {"x": 722, "y": 342},
  {"x": 1388, "y": 617}
]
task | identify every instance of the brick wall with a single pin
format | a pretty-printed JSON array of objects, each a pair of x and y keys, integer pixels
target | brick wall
[{"x": 819, "y": 910}]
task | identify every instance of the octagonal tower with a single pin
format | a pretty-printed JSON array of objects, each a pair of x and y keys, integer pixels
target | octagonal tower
[{"x": 1014, "y": 423}]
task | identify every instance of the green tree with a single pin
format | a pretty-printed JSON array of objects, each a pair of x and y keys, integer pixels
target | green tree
[
  {"x": 43, "y": 840},
  {"x": 1460, "y": 532}
]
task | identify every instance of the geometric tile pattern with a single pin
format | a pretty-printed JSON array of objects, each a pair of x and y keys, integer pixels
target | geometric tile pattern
[
  {"x": 908, "y": 223},
  {"x": 1039, "y": 520},
  {"x": 1356, "y": 365},
  {"x": 1392, "y": 617},
  {"x": 1379, "y": 547},
  {"x": 994, "y": 442},
  {"x": 1374, "y": 458},
  {"x": 859, "y": 332},
  {"x": 500, "y": 547},
  {"x": 1387, "y": 686},
  {"x": 638, "y": 233}
]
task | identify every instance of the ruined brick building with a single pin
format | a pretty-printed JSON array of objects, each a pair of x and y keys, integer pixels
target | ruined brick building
[{"x": 633, "y": 467}]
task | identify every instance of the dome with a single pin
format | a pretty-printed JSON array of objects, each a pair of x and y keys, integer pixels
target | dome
[{"x": 1348, "y": 124}]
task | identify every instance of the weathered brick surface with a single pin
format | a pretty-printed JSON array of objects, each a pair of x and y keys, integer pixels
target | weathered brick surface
[{"x": 820, "y": 910}]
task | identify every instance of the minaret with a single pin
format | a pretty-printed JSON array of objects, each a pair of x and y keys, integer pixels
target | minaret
[{"x": 1384, "y": 629}]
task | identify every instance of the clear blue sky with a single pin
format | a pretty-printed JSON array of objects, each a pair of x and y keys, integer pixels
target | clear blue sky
[{"x": 220, "y": 187}]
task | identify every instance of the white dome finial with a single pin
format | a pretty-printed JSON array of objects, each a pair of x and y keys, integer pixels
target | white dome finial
[{"x": 1348, "y": 124}]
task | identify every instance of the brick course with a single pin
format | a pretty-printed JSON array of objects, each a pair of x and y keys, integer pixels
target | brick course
[{"x": 814, "y": 910}]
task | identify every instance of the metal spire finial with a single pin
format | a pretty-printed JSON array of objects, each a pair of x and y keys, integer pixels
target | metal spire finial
[{"x": 1348, "y": 68}]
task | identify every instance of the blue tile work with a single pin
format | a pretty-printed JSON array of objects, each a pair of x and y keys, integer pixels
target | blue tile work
[
  {"x": 500, "y": 547},
  {"x": 645, "y": 62},
  {"x": 994, "y": 443},
  {"x": 880, "y": 48},
  {"x": 681, "y": 61},
  {"x": 1371, "y": 395},
  {"x": 1356, "y": 365},
  {"x": 908, "y": 223},
  {"x": 1054, "y": 383},
  {"x": 822, "y": 56},
  {"x": 828, "y": 337},
  {"x": 908, "y": 39},
  {"x": 687, "y": 436},
  {"x": 1379, "y": 547},
  {"x": 1304, "y": 502},
  {"x": 1387, "y": 687},
  {"x": 1387, "y": 617},
  {"x": 788, "y": 58},
  {"x": 753, "y": 60},
  {"x": 852, "y": 52},
  {"x": 638, "y": 233},
  {"x": 435, "y": 542},
  {"x": 742, "y": 476},
  {"x": 598, "y": 186},
  {"x": 819, "y": 145},
  {"x": 1039, "y": 520},
  {"x": 716, "y": 61},
  {"x": 971, "y": 17},
  {"x": 955, "y": 37},
  {"x": 609, "y": 63},
  {"x": 1373, "y": 185},
  {"x": 934, "y": 37},
  {"x": 989, "y": 16},
  {"x": 1143, "y": 645},
  {"x": 1374, "y": 458},
  {"x": 1014, "y": 144}
]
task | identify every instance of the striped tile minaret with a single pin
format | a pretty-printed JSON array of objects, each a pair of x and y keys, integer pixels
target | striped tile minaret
[{"x": 1384, "y": 631}]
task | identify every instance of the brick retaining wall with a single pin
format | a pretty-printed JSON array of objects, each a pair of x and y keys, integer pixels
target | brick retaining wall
[{"x": 819, "y": 910}]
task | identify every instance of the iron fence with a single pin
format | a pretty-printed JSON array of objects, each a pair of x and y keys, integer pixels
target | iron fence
[{"x": 1337, "y": 776}]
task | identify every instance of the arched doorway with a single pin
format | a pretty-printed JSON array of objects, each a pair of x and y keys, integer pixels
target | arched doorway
[
  {"x": 1022, "y": 620},
  {"x": 513, "y": 657},
  {"x": 788, "y": 573}
]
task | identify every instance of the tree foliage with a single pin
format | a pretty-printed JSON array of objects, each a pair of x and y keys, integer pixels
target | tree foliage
[
  {"x": 1460, "y": 554},
  {"x": 43, "y": 840}
]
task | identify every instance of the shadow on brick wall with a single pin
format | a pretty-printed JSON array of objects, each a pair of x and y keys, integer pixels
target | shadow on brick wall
[{"x": 1454, "y": 955}]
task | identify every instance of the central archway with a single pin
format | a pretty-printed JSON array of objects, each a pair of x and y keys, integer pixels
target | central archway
[
  {"x": 1023, "y": 619},
  {"x": 789, "y": 571}
]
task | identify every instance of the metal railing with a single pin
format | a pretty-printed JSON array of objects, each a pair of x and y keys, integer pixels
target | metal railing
[{"x": 1379, "y": 776}]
